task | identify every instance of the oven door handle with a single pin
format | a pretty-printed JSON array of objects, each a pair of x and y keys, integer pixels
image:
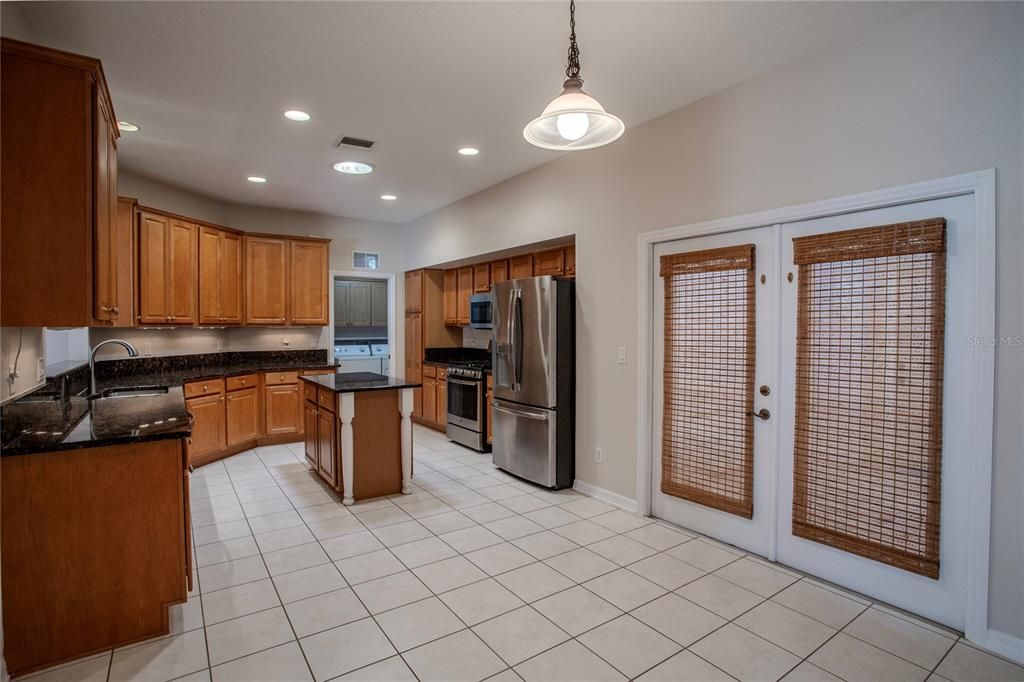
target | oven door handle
[
  {"x": 463, "y": 382},
  {"x": 516, "y": 413}
]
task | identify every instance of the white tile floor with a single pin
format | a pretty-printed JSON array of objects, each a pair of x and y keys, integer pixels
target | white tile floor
[{"x": 480, "y": 576}]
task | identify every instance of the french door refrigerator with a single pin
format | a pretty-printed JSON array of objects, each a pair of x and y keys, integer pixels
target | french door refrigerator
[{"x": 534, "y": 365}]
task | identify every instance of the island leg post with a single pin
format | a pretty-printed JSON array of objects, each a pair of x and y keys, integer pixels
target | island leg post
[
  {"x": 405, "y": 409},
  {"x": 346, "y": 413}
]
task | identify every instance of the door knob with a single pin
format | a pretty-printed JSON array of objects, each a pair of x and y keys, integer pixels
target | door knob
[{"x": 762, "y": 414}]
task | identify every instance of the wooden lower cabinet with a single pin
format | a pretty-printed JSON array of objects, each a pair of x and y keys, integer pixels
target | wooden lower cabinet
[
  {"x": 321, "y": 442},
  {"x": 283, "y": 409},
  {"x": 209, "y": 435},
  {"x": 95, "y": 548},
  {"x": 326, "y": 447},
  {"x": 434, "y": 408},
  {"x": 243, "y": 409}
]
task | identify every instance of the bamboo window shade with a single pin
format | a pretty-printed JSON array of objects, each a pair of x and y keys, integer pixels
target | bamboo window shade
[
  {"x": 869, "y": 364},
  {"x": 707, "y": 453}
]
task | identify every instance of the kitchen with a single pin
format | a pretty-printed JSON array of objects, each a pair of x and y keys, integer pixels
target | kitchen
[{"x": 298, "y": 386}]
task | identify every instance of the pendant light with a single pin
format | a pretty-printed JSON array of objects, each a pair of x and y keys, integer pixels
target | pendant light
[{"x": 574, "y": 120}]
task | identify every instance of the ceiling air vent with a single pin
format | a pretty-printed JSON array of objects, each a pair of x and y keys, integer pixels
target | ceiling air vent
[
  {"x": 354, "y": 142},
  {"x": 363, "y": 259}
]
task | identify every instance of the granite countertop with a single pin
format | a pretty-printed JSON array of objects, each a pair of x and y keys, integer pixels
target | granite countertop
[
  {"x": 355, "y": 382},
  {"x": 59, "y": 416},
  {"x": 54, "y": 423}
]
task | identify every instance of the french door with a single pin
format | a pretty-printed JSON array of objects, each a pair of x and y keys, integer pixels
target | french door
[
  {"x": 861, "y": 463},
  {"x": 721, "y": 353}
]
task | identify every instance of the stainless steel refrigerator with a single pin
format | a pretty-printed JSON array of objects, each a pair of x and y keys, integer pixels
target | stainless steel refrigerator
[{"x": 534, "y": 365}]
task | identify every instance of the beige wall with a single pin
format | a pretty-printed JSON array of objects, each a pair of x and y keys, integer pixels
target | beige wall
[{"x": 934, "y": 94}]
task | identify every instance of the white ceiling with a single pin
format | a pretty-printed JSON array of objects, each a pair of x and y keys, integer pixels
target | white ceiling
[{"x": 207, "y": 83}]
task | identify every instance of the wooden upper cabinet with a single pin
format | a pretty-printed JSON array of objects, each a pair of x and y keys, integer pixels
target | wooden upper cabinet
[
  {"x": 550, "y": 262},
  {"x": 152, "y": 267},
  {"x": 309, "y": 277},
  {"x": 379, "y": 304},
  {"x": 570, "y": 261},
  {"x": 182, "y": 269},
  {"x": 414, "y": 291},
  {"x": 220, "y": 276},
  {"x": 482, "y": 278},
  {"x": 465, "y": 277},
  {"x": 167, "y": 270},
  {"x": 266, "y": 280},
  {"x": 360, "y": 303},
  {"x": 58, "y": 162},
  {"x": 520, "y": 266},
  {"x": 106, "y": 250},
  {"x": 124, "y": 298},
  {"x": 451, "y": 297},
  {"x": 499, "y": 271}
]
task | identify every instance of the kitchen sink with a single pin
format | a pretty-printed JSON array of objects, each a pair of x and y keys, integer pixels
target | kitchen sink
[{"x": 133, "y": 392}]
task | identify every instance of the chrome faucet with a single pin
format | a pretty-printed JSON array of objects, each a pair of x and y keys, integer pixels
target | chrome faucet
[{"x": 132, "y": 353}]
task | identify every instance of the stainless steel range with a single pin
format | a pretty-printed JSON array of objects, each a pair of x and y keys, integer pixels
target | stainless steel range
[{"x": 467, "y": 414}]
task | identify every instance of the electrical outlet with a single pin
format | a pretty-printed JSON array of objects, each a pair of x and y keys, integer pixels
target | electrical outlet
[
  {"x": 599, "y": 455},
  {"x": 220, "y": 344},
  {"x": 41, "y": 370},
  {"x": 622, "y": 355},
  {"x": 285, "y": 341},
  {"x": 147, "y": 348}
]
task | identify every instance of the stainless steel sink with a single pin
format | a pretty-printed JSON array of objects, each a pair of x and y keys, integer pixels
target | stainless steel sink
[{"x": 133, "y": 392}]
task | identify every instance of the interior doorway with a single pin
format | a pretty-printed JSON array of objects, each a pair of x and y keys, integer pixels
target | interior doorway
[{"x": 362, "y": 330}]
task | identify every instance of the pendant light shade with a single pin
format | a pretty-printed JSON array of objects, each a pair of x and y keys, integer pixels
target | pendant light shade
[{"x": 574, "y": 120}]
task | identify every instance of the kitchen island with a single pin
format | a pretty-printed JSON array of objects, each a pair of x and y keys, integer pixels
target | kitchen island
[{"x": 358, "y": 433}]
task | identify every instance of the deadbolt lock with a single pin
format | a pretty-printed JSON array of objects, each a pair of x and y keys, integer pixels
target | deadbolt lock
[{"x": 765, "y": 389}]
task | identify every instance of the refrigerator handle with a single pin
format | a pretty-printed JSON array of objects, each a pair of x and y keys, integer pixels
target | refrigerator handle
[
  {"x": 518, "y": 348},
  {"x": 517, "y": 413}
]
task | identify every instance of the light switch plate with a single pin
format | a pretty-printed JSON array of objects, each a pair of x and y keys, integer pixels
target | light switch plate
[
  {"x": 622, "y": 355},
  {"x": 599, "y": 455}
]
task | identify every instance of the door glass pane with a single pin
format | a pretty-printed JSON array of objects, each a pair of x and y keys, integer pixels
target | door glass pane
[
  {"x": 870, "y": 321},
  {"x": 707, "y": 432}
]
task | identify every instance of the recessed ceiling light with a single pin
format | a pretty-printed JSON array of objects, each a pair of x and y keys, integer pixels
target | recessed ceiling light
[
  {"x": 388, "y": 197},
  {"x": 469, "y": 151},
  {"x": 296, "y": 115},
  {"x": 257, "y": 179},
  {"x": 353, "y": 167},
  {"x": 127, "y": 126}
]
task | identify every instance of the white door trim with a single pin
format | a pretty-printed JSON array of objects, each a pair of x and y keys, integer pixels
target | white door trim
[
  {"x": 982, "y": 185},
  {"x": 390, "y": 278}
]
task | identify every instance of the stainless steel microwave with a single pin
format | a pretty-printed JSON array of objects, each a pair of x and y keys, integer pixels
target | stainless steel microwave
[{"x": 480, "y": 311}]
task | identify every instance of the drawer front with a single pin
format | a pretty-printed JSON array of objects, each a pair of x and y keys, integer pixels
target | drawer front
[
  {"x": 308, "y": 391},
  {"x": 238, "y": 383},
  {"x": 199, "y": 388},
  {"x": 429, "y": 371},
  {"x": 275, "y": 378},
  {"x": 325, "y": 398},
  {"x": 442, "y": 374}
]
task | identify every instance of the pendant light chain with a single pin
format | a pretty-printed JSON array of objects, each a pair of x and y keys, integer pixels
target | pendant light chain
[{"x": 573, "y": 69}]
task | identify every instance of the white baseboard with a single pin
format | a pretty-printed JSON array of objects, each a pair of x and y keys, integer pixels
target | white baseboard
[
  {"x": 1002, "y": 643},
  {"x": 607, "y": 496}
]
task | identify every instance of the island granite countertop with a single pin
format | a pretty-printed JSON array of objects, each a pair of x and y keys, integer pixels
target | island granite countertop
[{"x": 355, "y": 382}]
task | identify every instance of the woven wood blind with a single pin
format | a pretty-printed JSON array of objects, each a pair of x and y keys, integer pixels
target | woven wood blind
[
  {"x": 868, "y": 441},
  {"x": 707, "y": 453}
]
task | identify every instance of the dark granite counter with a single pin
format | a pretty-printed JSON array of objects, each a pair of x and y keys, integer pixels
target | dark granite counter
[
  {"x": 50, "y": 422},
  {"x": 355, "y": 382},
  {"x": 59, "y": 416}
]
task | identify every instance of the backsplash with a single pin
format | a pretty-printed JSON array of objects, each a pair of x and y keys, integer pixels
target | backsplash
[
  {"x": 157, "y": 342},
  {"x": 476, "y": 338},
  {"x": 127, "y": 367}
]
